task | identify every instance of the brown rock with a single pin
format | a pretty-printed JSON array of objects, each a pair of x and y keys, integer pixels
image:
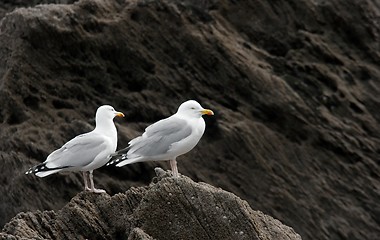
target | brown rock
[
  {"x": 138, "y": 234},
  {"x": 167, "y": 209}
]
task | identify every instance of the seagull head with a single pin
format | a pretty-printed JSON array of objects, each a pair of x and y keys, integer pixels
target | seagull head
[
  {"x": 193, "y": 108},
  {"x": 107, "y": 112}
]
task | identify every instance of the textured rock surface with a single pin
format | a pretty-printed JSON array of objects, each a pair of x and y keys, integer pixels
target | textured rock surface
[
  {"x": 167, "y": 209},
  {"x": 294, "y": 85}
]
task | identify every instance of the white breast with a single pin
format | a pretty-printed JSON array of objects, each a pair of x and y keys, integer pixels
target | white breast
[{"x": 187, "y": 144}]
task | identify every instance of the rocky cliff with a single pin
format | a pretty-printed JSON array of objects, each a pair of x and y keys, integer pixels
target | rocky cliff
[
  {"x": 294, "y": 85},
  {"x": 167, "y": 209}
]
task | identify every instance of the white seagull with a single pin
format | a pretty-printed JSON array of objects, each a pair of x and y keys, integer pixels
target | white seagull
[
  {"x": 166, "y": 139},
  {"x": 85, "y": 152}
]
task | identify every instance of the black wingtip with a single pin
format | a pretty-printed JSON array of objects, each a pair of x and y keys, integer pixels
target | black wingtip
[
  {"x": 112, "y": 162},
  {"x": 42, "y": 168},
  {"x": 36, "y": 169},
  {"x": 122, "y": 151},
  {"x": 118, "y": 156},
  {"x": 116, "y": 159}
]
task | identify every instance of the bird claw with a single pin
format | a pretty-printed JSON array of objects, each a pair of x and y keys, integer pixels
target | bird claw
[{"x": 95, "y": 190}]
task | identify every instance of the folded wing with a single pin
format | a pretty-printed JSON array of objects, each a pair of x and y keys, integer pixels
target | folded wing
[
  {"x": 156, "y": 141},
  {"x": 75, "y": 154}
]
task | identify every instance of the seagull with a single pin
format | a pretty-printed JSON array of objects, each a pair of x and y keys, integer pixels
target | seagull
[
  {"x": 166, "y": 139},
  {"x": 85, "y": 152}
]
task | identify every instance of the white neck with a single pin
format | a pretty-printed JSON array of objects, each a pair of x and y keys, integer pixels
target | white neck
[{"x": 106, "y": 127}]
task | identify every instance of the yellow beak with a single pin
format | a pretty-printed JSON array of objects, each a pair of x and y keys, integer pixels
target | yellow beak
[
  {"x": 119, "y": 114},
  {"x": 207, "y": 112}
]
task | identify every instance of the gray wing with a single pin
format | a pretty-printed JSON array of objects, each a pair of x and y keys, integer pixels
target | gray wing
[
  {"x": 79, "y": 151},
  {"x": 159, "y": 137}
]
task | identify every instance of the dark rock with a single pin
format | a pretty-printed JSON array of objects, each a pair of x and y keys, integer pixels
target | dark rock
[
  {"x": 138, "y": 234},
  {"x": 10, "y": 5},
  {"x": 294, "y": 84},
  {"x": 168, "y": 209}
]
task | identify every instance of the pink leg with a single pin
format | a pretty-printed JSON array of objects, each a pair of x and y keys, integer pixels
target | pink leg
[
  {"x": 93, "y": 189},
  {"x": 173, "y": 165},
  {"x": 85, "y": 174}
]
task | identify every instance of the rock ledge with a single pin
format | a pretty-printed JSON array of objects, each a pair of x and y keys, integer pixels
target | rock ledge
[{"x": 166, "y": 209}]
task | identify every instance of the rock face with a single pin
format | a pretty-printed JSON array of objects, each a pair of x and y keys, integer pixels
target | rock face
[
  {"x": 294, "y": 84},
  {"x": 167, "y": 209}
]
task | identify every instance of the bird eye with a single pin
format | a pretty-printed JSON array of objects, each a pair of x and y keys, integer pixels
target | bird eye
[{"x": 192, "y": 107}]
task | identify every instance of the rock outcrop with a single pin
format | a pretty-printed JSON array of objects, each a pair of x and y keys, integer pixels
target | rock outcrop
[
  {"x": 167, "y": 209},
  {"x": 294, "y": 84}
]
